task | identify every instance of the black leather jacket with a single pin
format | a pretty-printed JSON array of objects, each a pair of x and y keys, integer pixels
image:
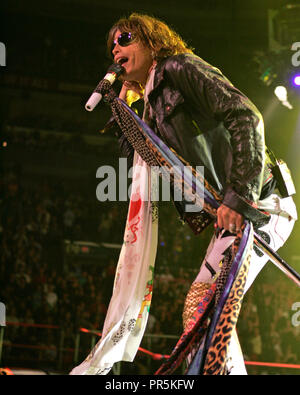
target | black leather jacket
[{"x": 199, "y": 113}]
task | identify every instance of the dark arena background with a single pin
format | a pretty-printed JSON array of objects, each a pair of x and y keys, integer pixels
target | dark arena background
[{"x": 60, "y": 245}]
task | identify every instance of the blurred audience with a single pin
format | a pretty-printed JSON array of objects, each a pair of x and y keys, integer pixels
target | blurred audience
[
  {"x": 36, "y": 284},
  {"x": 38, "y": 287}
]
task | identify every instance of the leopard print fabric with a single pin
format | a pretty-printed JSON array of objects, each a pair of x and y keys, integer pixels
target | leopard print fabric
[{"x": 216, "y": 357}]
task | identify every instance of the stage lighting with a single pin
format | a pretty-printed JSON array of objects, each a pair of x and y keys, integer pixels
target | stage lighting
[
  {"x": 281, "y": 93},
  {"x": 296, "y": 80}
]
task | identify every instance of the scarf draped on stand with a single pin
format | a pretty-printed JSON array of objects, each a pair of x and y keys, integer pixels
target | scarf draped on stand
[
  {"x": 211, "y": 326},
  {"x": 129, "y": 307},
  {"x": 128, "y": 310}
]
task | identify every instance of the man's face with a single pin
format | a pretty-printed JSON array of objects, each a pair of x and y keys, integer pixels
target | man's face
[{"x": 135, "y": 58}]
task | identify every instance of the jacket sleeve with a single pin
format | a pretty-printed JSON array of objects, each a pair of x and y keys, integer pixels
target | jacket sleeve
[{"x": 205, "y": 89}]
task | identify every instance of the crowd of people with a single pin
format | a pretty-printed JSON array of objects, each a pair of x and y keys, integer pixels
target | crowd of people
[
  {"x": 47, "y": 296},
  {"x": 35, "y": 140},
  {"x": 39, "y": 284},
  {"x": 267, "y": 327},
  {"x": 38, "y": 288}
]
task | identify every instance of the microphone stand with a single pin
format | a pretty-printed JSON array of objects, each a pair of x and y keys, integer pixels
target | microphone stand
[{"x": 280, "y": 263}]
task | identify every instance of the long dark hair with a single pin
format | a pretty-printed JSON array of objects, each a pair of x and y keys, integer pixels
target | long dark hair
[{"x": 153, "y": 33}]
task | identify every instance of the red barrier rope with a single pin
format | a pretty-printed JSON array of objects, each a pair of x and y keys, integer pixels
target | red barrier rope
[
  {"x": 273, "y": 364},
  {"x": 6, "y": 372},
  {"x": 90, "y": 331},
  {"x": 157, "y": 356}
]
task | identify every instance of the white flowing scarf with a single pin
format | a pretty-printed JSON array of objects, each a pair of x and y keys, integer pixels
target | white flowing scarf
[{"x": 129, "y": 306}]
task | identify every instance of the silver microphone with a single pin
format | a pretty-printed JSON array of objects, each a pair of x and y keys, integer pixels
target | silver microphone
[{"x": 113, "y": 73}]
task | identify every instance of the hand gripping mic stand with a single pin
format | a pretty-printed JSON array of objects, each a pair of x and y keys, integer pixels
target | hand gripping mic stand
[{"x": 149, "y": 146}]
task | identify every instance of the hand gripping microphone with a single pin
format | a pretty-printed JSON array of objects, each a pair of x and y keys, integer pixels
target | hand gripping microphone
[{"x": 113, "y": 72}]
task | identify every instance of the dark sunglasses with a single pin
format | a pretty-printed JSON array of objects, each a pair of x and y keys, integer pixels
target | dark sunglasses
[{"x": 123, "y": 40}]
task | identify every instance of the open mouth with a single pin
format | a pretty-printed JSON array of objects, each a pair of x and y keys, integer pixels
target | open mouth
[{"x": 122, "y": 61}]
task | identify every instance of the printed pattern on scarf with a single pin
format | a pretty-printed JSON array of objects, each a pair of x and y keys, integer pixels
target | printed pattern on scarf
[
  {"x": 192, "y": 334},
  {"x": 195, "y": 335},
  {"x": 128, "y": 311}
]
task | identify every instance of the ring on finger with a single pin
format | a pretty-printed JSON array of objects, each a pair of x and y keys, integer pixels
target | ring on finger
[{"x": 232, "y": 228}]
